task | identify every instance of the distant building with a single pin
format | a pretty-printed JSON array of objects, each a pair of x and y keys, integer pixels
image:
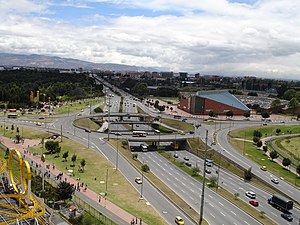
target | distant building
[
  {"x": 166, "y": 74},
  {"x": 218, "y": 101}
]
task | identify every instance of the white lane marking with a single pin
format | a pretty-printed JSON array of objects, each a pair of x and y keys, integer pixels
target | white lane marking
[
  {"x": 223, "y": 214},
  {"x": 233, "y": 213},
  {"x": 212, "y": 215},
  {"x": 274, "y": 214},
  {"x": 210, "y": 196},
  {"x": 246, "y": 222},
  {"x": 221, "y": 204}
]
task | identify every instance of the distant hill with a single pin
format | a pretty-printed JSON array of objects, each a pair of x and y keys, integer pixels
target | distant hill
[{"x": 7, "y": 59}]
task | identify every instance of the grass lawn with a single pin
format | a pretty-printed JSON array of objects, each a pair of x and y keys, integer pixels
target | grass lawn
[
  {"x": 86, "y": 123},
  {"x": 291, "y": 145},
  {"x": 24, "y": 132},
  {"x": 265, "y": 130},
  {"x": 76, "y": 106},
  {"x": 186, "y": 127},
  {"x": 119, "y": 190}
]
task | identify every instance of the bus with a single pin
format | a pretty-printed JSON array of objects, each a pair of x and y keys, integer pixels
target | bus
[
  {"x": 137, "y": 133},
  {"x": 177, "y": 117},
  {"x": 11, "y": 115}
]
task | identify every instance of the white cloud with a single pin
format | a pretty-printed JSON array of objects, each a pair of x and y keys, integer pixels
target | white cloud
[{"x": 262, "y": 39}]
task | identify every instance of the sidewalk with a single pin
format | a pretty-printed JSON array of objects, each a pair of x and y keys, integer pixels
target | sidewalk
[{"x": 123, "y": 217}]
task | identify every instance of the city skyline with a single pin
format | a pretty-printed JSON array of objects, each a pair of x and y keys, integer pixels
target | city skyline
[{"x": 242, "y": 37}]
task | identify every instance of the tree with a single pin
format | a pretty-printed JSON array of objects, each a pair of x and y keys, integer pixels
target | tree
[
  {"x": 18, "y": 131},
  {"x": 6, "y": 152},
  {"x": 247, "y": 114},
  {"x": 74, "y": 157},
  {"x": 265, "y": 114},
  {"x": 276, "y": 102},
  {"x": 248, "y": 174},
  {"x": 65, "y": 156},
  {"x": 145, "y": 168},
  {"x": 259, "y": 144},
  {"x": 229, "y": 113},
  {"x": 58, "y": 150},
  {"x": 195, "y": 171},
  {"x": 256, "y": 139},
  {"x": 273, "y": 155},
  {"x": 265, "y": 148},
  {"x": 12, "y": 128},
  {"x": 278, "y": 131},
  {"x": 52, "y": 146},
  {"x": 212, "y": 113},
  {"x": 293, "y": 104},
  {"x": 18, "y": 138},
  {"x": 257, "y": 133},
  {"x": 213, "y": 181},
  {"x": 82, "y": 163},
  {"x": 289, "y": 94},
  {"x": 286, "y": 162},
  {"x": 64, "y": 191}
]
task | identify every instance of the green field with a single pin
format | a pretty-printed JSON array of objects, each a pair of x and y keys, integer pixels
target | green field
[
  {"x": 76, "y": 106},
  {"x": 86, "y": 123},
  {"x": 185, "y": 127},
  {"x": 291, "y": 145},
  {"x": 265, "y": 130}
]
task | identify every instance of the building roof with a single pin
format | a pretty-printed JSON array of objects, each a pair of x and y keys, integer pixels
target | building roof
[{"x": 224, "y": 97}]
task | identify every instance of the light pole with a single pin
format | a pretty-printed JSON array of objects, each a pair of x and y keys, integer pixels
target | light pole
[
  {"x": 106, "y": 181},
  {"x": 142, "y": 185},
  {"x": 203, "y": 183},
  {"x": 117, "y": 160},
  {"x": 108, "y": 131},
  {"x": 244, "y": 142}
]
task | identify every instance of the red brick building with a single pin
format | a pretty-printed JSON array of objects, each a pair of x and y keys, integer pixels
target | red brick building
[{"x": 218, "y": 101}]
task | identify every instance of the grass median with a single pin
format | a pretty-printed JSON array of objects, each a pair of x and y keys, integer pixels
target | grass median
[{"x": 179, "y": 125}]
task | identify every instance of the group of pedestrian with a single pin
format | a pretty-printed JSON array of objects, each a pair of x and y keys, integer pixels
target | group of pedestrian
[{"x": 135, "y": 221}]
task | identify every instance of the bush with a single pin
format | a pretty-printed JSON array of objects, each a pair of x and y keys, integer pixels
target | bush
[
  {"x": 259, "y": 144},
  {"x": 248, "y": 174},
  {"x": 145, "y": 168},
  {"x": 256, "y": 139},
  {"x": 98, "y": 110}
]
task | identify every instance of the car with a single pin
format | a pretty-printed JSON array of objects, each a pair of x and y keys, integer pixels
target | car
[
  {"x": 264, "y": 168},
  {"x": 118, "y": 134},
  {"x": 184, "y": 120},
  {"x": 287, "y": 216},
  {"x": 265, "y": 124},
  {"x": 182, "y": 133},
  {"x": 191, "y": 132},
  {"x": 38, "y": 124},
  {"x": 253, "y": 202},
  {"x": 138, "y": 180},
  {"x": 275, "y": 180},
  {"x": 179, "y": 220},
  {"x": 186, "y": 158},
  {"x": 188, "y": 164},
  {"x": 175, "y": 155},
  {"x": 79, "y": 114},
  {"x": 207, "y": 171},
  {"x": 250, "y": 194}
]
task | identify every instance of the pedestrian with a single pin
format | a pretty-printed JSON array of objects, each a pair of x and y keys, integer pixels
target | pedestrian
[
  {"x": 99, "y": 199},
  {"x": 140, "y": 221},
  {"x": 136, "y": 220}
]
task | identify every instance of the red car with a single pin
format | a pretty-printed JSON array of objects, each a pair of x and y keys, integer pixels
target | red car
[{"x": 253, "y": 202}]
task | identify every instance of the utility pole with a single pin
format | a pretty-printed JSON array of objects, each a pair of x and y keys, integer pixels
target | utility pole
[
  {"x": 90, "y": 100},
  {"x": 60, "y": 133},
  {"x": 117, "y": 162},
  {"x": 106, "y": 181},
  {"x": 141, "y": 197},
  {"x": 108, "y": 131},
  {"x": 203, "y": 183}
]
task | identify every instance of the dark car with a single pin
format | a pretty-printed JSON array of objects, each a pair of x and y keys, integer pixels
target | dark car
[
  {"x": 188, "y": 164},
  {"x": 287, "y": 216},
  {"x": 191, "y": 132},
  {"x": 186, "y": 158}
]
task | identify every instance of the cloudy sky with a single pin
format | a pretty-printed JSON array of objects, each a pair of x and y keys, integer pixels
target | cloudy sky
[{"x": 229, "y": 37}]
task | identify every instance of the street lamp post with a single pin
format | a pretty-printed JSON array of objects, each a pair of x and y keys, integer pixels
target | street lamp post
[
  {"x": 117, "y": 160},
  {"x": 203, "y": 183},
  {"x": 142, "y": 185}
]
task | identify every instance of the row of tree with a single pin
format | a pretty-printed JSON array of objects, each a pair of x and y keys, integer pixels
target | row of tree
[{"x": 16, "y": 86}]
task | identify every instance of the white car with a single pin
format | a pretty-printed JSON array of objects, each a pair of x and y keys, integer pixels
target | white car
[
  {"x": 250, "y": 194},
  {"x": 275, "y": 180}
]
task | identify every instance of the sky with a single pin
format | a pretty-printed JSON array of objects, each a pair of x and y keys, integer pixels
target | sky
[{"x": 227, "y": 37}]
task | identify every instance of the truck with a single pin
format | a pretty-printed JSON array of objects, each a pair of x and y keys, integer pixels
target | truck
[{"x": 281, "y": 203}]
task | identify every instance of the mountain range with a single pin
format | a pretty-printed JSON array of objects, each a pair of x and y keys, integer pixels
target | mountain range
[{"x": 8, "y": 59}]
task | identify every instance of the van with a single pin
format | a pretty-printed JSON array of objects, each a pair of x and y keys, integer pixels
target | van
[{"x": 144, "y": 147}]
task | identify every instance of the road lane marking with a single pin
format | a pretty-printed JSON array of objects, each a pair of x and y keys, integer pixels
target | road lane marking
[
  {"x": 233, "y": 213},
  {"x": 246, "y": 222},
  {"x": 212, "y": 215},
  {"x": 221, "y": 204},
  {"x": 223, "y": 214}
]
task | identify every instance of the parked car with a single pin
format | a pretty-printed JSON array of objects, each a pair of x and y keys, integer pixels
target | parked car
[
  {"x": 208, "y": 171},
  {"x": 175, "y": 155},
  {"x": 186, "y": 158},
  {"x": 253, "y": 202}
]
